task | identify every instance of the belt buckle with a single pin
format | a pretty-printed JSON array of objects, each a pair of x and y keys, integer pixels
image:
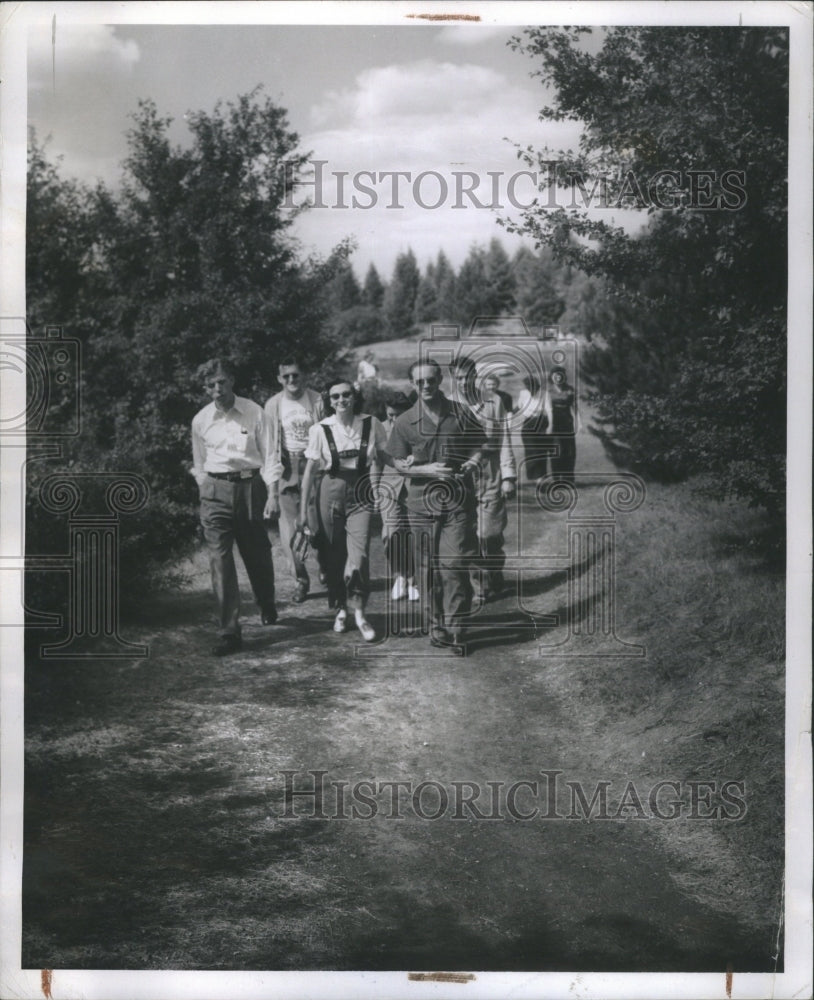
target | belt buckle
[{"x": 246, "y": 473}]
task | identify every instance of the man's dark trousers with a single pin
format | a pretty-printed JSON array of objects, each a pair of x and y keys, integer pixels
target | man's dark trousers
[
  {"x": 446, "y": 592},
  {"x": 233, "y": 512}
]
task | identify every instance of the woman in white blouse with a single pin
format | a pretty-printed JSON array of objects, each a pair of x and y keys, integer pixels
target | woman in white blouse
[{"x": 344, "y": 466}]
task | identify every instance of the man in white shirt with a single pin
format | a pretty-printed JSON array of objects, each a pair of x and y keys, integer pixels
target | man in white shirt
[
  {"x": 290, "y": 414},
  {"x": 232, "y": 463}
]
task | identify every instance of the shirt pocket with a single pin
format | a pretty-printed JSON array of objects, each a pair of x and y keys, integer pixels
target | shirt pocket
[{"x": 240, "y": 441}]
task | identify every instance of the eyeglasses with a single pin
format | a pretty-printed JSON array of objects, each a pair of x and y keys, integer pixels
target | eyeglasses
[
  {"x": 426, "y": 381},
  {"x": 341, "y": 395},
  {"x": 293, "y": 376}
]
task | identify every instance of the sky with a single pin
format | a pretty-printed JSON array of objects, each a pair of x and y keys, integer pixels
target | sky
[{"x": 425, "y": 99}]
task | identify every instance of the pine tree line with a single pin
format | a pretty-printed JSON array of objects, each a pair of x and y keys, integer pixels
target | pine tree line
[{"x": 488, "y": 283}]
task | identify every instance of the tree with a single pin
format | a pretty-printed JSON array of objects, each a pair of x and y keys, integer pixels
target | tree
[
  {"x": 426, "y": 301},
  {"x": 373, "y": 289},
  {"x": 702, "y": 289},
  {"x": 472, "y": 299},
  {"x": 500, "y": 279},
  {"x": 445, "y": 288},
  {"x": 538, "y": 300},
  {"x": 344, "y": 291},
  {"x": 399, "y": 299},
  {"x": 191, "y": 259}
]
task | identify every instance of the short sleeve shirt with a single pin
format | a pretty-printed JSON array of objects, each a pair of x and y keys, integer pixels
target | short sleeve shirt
[
  {"x": 347, "y": 439},
  {"x": 453, "y": 439}
]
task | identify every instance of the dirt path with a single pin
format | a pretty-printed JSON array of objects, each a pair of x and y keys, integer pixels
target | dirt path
[{"x": 156, "y": 834}]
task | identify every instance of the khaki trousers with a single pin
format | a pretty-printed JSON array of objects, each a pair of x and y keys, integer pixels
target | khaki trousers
[{"x": 233, "y": 512}]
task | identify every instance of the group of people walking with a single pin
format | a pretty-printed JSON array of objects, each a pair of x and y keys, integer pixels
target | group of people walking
[{"x": 439, "y": 470}]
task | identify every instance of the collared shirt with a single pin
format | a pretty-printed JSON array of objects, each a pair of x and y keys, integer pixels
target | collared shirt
[
  {"x": 453, "y": 439},
  {"x": 347, "y": 439},
  {"x": 233, "y": 441}
]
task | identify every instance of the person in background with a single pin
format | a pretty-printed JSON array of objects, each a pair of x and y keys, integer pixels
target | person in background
[
  {"x": 436, "y": 444},
  {"x": 497, "y": 478},
  {"x": 232, "y": 463},
  {"x": 562, "y": 422},
  {"x": 531, "y": 405},
  {"x": 344, "y": 457},
  {"x": 490, "y": 389},
  {"x": 291, "y": 414},
  {"x": 367, "y": 370},
  {"x": 396, "y": 536}
]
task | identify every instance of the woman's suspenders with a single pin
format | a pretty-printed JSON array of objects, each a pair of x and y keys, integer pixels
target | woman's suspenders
[{"x": 361, "y": 452}]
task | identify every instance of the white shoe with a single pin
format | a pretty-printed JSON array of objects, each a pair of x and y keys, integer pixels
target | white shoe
[
  {"x": 399, "y": 589},
  {"x": 413, "y": 593},
  {"x": 341, "y": 621}
]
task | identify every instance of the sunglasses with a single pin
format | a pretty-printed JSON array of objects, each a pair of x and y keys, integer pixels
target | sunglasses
[
  {"x": 293, "y": 376},
  {"x": 341, "y": 395}
]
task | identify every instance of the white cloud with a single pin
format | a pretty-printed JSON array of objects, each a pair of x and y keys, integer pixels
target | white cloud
[
  {"x": 436, "y": 89},
  {"x": 430, "y": 115}
]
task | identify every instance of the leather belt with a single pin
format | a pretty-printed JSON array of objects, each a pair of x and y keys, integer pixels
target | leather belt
[{"x": 235, "y": 477}]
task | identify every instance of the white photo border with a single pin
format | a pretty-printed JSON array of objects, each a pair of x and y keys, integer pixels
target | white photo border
[{"x": 795, "y": 981}]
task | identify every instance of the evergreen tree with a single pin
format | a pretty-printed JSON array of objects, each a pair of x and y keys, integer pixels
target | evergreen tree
[
  {"x": 500, "y": 279},
  {"x": 373, "y": 289},
  {"x": 472, "y": 299},
  {"x": 444, "y": 276},
  {"x": 426, "y": 303},
  {"x": 343, "y": 290},
  {"x": 538, "y": 300},
  {"x": 400, "y": 297}
]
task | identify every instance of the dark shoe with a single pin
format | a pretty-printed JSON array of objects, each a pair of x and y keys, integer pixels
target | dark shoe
[
  {"x": 300, "y": 592},
  {"x": 269, "y": 616},
  {"x": 227, "y": 644},
  {"x": 452, "y": 642}
]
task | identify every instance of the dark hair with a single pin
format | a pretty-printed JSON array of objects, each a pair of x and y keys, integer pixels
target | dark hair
[
  {"x": 328, "y": 406},
  {"x": 397, "y": 401},
  {"x": 209, "y": 369},
  {"x": 463, "y": 363},
  {"x": 532, "y": 383},
  {"x": 289, "y": 362},
  {"x": 558, "y": 370},
  {"x": 428, "y": 363}
]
